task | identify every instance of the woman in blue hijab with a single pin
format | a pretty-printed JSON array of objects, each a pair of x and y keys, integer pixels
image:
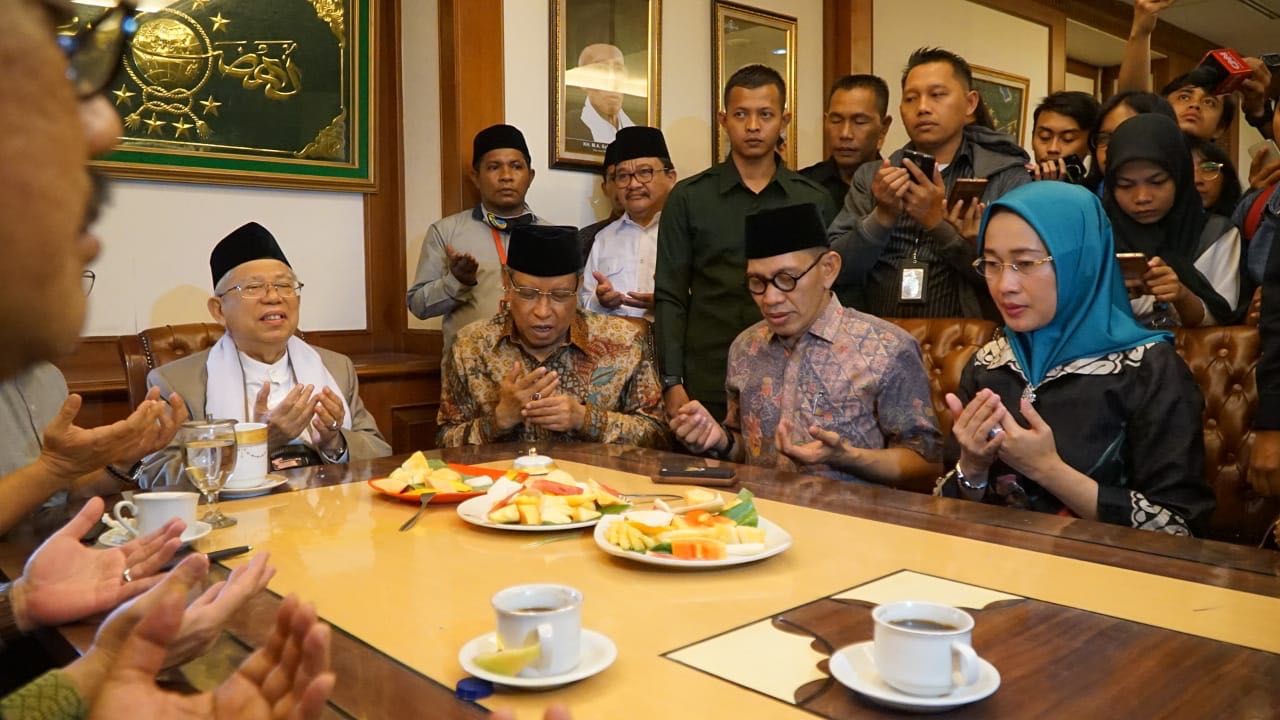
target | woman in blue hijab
[{"x": 1074, "y": 408}]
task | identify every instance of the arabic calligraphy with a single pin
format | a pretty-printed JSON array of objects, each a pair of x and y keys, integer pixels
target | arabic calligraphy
[{"x": 278, "y": 76}]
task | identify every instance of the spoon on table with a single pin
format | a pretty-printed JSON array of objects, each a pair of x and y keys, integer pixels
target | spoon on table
[{"x": 425, "y": 498}]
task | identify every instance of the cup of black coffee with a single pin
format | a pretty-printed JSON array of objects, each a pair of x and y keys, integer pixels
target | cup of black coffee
[{"x": 924, "y": 648}]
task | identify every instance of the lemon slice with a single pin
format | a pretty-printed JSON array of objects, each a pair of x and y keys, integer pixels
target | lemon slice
[{"x": 508, "y": 662}]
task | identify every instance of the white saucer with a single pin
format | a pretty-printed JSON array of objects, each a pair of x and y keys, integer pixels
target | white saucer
[
  {"x": 598, "y": 653},
  {"x": 115, "y": 537},
  {"x": 269, "y": 482},
  {"x": 855, "y": 667}
]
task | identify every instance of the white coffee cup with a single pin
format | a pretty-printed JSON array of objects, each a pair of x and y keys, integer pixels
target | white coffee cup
[
  {"x": 920, "y": 646},
  {"x": 251, "y": 456},
  {"x": 548, "y": 615},
  {"x": 154, "y": 509}
]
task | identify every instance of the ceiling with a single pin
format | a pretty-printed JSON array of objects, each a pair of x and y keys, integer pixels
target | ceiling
[{"x": 1229, "y": 23}]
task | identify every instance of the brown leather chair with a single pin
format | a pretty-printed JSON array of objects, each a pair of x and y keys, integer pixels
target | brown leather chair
[
  {"x": 156, "y": 346},
  {"x": 947, "y": 345},
  {"x": 1223, "y": 361}
]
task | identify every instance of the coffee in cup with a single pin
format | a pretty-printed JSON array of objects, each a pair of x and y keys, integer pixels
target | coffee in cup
[
  {"x": 152, "y": 511},
  {"x": 921, "y": 647},
  {"x": 251, "y": 456},
  {"x": 547, "y": 615}
]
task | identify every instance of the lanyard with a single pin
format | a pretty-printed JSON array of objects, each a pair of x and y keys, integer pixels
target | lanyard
[{"x": 502, "y": 259}]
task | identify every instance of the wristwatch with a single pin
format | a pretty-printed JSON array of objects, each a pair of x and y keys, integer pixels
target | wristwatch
[
  {"x": 964, "y": 482},
  {"x": 670, "y": 381}
]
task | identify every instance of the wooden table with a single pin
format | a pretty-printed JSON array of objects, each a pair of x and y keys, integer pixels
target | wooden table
[{"x": 1193, "y": 624}]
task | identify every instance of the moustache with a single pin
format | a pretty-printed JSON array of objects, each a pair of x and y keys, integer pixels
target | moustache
[{"x": 99, "y": 196}]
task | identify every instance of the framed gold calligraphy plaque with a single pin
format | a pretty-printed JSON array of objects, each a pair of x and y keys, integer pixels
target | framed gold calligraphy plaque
[{"x": 246, "y": 92}]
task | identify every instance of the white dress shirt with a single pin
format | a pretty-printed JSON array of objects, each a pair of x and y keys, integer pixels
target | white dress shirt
[
  {"x": 280, "y": 375},
  {"x": 625, "y": 253},
  {"x": 603, "y": 131}
]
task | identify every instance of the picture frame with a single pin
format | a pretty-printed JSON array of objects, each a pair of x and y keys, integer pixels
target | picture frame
[
  {"x": 743, "y": 35},
  {"x": 247, "y": 93},
  {"x": 1006, "y": 97},
  {"x": 605, "y": 75}
]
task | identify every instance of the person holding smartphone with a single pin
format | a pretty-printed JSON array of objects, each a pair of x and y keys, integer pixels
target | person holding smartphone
[
  {"x": 897, "y": 235},
  {"x": 816, "y": 387},
  {"x": 1194, "y": 259},
  {"x": 1075, "y": 409}
]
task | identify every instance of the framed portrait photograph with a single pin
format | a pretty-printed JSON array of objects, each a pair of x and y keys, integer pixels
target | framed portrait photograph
[
  {"x": 605, "y": 58},
  {"x": 742, "y": 35},
  {"x": 1005, "y": 96},
  {"x": 244, "y": 92}
]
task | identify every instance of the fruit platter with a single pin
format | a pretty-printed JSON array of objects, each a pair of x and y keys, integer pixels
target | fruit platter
[
  {"x": 447, "y": 482},
  {"x": 708, "y": 530},
  {"x": 554, "y": 501}
]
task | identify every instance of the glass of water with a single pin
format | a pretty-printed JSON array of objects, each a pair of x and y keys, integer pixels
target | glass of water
[{"x": 209, "y": 451}]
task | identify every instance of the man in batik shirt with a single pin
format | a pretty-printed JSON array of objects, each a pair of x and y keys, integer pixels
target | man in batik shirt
[
  {"x": 543, "y": 369},
  {"x": 817, "y": 387}
]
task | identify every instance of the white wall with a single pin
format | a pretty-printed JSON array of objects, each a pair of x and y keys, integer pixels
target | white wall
[
  {"x": 1075, "y": 83},
  {"x": 979, "y": 34},
  {"x": 420, "y": 60},
  {"x": 154, "y": 267},
  {"x": 573, "y": 197}
]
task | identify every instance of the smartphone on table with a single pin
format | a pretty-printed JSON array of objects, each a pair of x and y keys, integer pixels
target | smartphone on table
[{"x": 693, "y": 471}]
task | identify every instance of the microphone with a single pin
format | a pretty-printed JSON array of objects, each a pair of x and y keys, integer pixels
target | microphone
[{"x": 1223, "y": 69}]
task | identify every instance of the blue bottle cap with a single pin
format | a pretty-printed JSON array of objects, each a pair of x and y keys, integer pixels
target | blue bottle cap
[{"x": 472, "y": 689}]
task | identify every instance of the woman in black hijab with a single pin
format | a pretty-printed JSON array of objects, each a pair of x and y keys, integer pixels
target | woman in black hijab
[{"x": 1155, "y": 210}]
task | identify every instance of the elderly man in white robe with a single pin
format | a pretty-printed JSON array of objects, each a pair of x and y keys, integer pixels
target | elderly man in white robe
[{"x": 260, "y": 371}]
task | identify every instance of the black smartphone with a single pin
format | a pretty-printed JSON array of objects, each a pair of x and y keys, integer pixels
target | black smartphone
[
  {"x": 924, "y": 161},
  {"x": 696, "y": 472},
  {"x": 1075, "y": 169}
]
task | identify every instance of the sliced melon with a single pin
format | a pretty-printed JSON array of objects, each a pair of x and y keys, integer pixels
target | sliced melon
[{"x": 507, "y": 515}]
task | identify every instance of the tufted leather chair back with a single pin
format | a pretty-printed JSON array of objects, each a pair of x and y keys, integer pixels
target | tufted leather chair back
[
  {"x": 156, "y": 346},
  {"x": 947, "y": 345},
  {"x": 1223, "y": 360}
]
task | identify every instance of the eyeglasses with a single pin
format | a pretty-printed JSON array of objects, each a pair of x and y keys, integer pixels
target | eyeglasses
[
  {"x": 95, "y": 51},
  {"x": 1209, "y": 169},
  {"x": 532, "y": 295},
  {"x": 993, "y": 269},
  {"x": 645, "y": 175},
  {"x": 86, "y": 281},
  {"x": 256, "y": 290},
  {"x": 784, "y": 281}
]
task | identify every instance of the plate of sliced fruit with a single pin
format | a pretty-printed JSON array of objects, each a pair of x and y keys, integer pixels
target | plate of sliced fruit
[
  {"x": 555, "y": 501},
  {"x": 449, "y": 482},
  {"x": 709, "y": 530}
]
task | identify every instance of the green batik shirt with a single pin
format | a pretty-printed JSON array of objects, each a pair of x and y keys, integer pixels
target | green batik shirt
[{"x": 700, "y": 299}]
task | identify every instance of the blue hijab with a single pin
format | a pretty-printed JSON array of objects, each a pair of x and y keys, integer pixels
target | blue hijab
[{"x": 1093, "y": 316}]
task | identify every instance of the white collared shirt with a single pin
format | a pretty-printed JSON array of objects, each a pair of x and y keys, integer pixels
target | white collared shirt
[
  {"x": 625, "y": 253},
  {"x": 280, "y": 375},
  {"x": 602, "y": 131}
]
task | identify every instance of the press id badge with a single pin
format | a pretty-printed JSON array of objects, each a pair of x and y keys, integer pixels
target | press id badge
[{"x": 911, "y": 289}]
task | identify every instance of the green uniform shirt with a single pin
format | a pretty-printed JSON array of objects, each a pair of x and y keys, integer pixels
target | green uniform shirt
[{"x": 700, "y": 300}]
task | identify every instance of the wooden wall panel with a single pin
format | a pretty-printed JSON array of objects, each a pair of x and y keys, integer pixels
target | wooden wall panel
[{"x": 471, "y": 90}]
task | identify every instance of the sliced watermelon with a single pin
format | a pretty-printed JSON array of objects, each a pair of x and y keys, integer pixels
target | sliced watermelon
[{"x": 551, "y": 487}]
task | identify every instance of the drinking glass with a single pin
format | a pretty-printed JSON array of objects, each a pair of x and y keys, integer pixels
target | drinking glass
[{"x": 209, "y": 449}]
